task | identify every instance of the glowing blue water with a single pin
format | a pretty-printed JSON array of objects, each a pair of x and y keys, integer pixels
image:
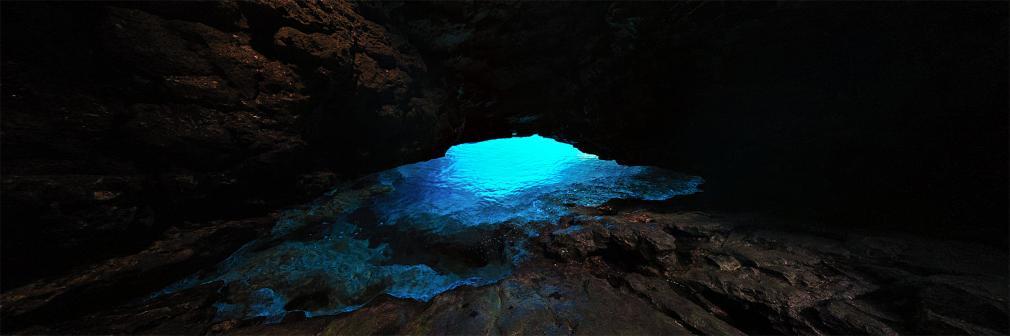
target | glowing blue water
[
  {"x": 524, "y": 179},
  {"x": 422, "y": 229}
]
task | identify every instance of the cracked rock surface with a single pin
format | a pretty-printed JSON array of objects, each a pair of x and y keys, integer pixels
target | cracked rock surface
[
  {"x": 145, "y": 141},
  {"x": 639, "y": 270}
]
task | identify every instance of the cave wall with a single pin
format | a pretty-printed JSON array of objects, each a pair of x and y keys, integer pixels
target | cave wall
[
  {"x": 870, "y": 115},
  {"x": 122, "y": 119}
]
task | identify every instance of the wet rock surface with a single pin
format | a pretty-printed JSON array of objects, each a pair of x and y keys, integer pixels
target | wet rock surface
[
  {"x": 643, "y": 270},
  {"x": 419, "y": 230}
]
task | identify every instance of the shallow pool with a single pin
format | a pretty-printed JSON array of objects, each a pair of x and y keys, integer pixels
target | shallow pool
[{"x": 422, "y": 229}]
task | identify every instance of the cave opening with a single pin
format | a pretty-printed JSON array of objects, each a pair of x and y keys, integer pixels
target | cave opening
[
  {"x": 193, "y": 168},
  {"x": 418, "y": 230}
]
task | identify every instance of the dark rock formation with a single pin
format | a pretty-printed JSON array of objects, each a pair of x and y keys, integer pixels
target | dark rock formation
[
  {"x": 732, "y": 275},
  {"x": 135, "y": 135},
  {"x": 736, "y": 275},
  {"x": 123, "y": 119},
  {"x": 119, "y": 280},
  {"x": 875, "y": 115}
]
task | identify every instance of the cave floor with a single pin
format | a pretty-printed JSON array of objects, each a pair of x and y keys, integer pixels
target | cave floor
[{"x": 636, "y": 269}]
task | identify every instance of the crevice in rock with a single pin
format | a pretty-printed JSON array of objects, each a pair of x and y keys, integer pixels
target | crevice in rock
[{"x": 749, "y": 318}]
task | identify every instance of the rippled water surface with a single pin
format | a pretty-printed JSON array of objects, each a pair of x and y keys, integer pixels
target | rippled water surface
[{"x": 421, "y": 229}]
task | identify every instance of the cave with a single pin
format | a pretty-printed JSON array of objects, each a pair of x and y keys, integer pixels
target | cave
[
  {"x": 340, "y": 167},
  {"x": 418, "y": 230}
]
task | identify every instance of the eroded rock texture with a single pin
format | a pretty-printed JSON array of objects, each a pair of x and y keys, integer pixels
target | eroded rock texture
[
  {"x": 644, "y": 270},
  {"x": 121, "y": 120},
  {"x": 864, "y": 115},
  {"x": 137, "y": 136}
]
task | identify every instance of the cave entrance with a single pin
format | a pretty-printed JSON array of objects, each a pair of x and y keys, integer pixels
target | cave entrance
[
  {"x": 519, "y": 179},
  {"x": 421, "y": 229}
]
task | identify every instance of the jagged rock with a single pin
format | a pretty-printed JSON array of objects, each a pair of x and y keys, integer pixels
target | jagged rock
[
  {"x": 534, "y": 301},
  {"x": 315, "y": 48},
  {"x": 725, "y": 263},
  {"x": 212, "y": 111},
  {"x": 844, "y": 317},
  {"x": 639, "y": 244},
  {"x": 96, "y": 213},
  {"x": 695, "y": 317},
  {"x": 121, "y": 120},
  {"x": 592, "y": 277},
  {"x": 747, "y": 276},
  {"x": 119, "y": 280},
  {"x": 188, "y": 312}
]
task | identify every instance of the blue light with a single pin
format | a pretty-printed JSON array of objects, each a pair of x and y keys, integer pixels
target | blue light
[
  {"x": 475, "y": 190},
  {"x": 504, "y": 167},
  {"x": 517, "y": 179}
]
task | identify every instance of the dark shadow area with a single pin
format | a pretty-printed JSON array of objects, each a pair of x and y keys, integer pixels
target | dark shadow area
[{"x": 143, "y": 142}]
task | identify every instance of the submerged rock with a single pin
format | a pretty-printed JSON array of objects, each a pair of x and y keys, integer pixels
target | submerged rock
[
  {"x": 733, "y": 275},
  {"x": 129, "y": 129},
  {"x": 419, "y": 230},
  {"x": 743, "y": 275}
]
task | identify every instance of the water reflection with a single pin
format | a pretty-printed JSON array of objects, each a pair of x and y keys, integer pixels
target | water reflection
[{"x": 421, "y": 229}]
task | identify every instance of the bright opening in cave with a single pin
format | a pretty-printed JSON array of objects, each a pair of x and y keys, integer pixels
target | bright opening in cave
[
  {"x": 519, "y": 179},
  {"x": 502, "y": 167},
  {"x": 421, "y": 229}
]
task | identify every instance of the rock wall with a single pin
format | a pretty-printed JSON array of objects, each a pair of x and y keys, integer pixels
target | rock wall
[
  {"x": 882, "y": 115},
  {"x": 122, "y": 119}
]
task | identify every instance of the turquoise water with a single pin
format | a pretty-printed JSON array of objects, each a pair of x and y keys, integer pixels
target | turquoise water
[
  {"x": 422, "y": 229},
  {"x": 525, "y": 179}
]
